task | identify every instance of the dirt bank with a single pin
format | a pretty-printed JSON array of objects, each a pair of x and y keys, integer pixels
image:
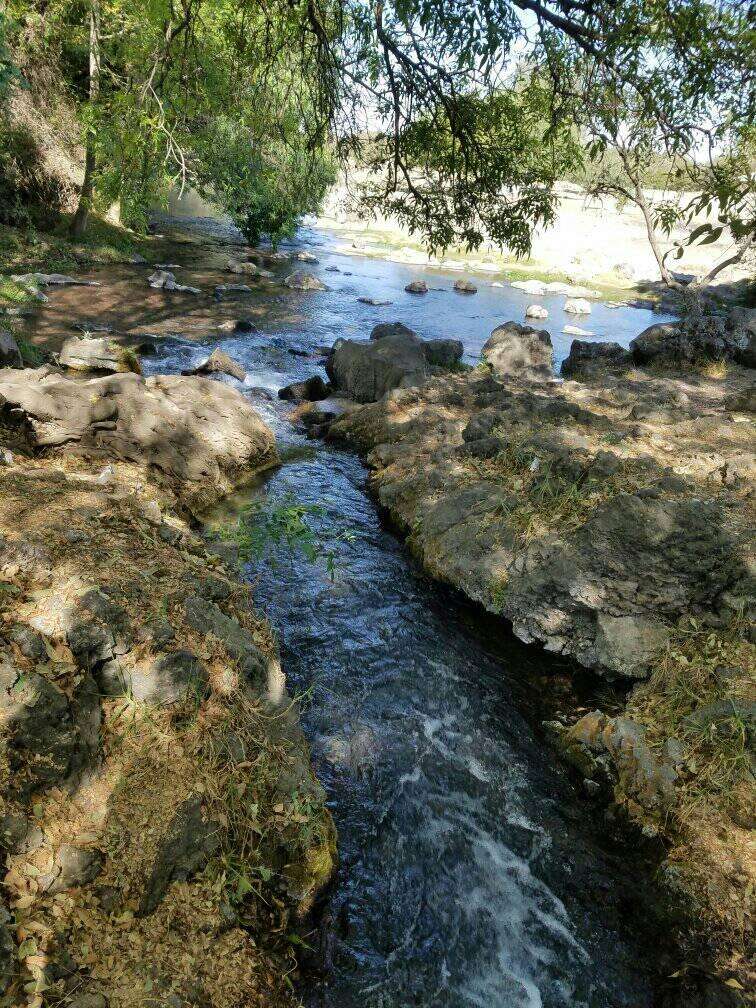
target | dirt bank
[{"x": 161, "y": 829}]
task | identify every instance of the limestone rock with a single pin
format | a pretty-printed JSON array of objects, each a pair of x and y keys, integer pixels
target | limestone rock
[
  {"x": 577, "y": 306},
  {"x": 192, "y": 839},
  {"x": 53, "y": 280},
  {"x": 376, "y": 302},
  {"x": 163, "y": 279},
  {"x": 534, "y": 287},
  {"x": 199, "y": 435},
  {"x": 367, "y": 371},
  {"x": 304, "y": 256},
  {"x": 234, "y": 288},
  {"x": 97, "y": 354},
  {"x": 465, "y": 287},
  {"x": 10, "y": 355},
  {"x": 238, "y": 266},
  {"x": 219, "y": 363},
  {"x": 536, "y": 311},
  {"x": 573, "y": 330},
  {"x": 304, "y": 281},
  {"x": 312, "y": 390},
  {"x": 417, "y": 287},
  {"x": 514, "y": 349},
  {"x": 584, "y": 355}
]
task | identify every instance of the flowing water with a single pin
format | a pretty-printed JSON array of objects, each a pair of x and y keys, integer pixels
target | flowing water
[{"x": 472, "y": 873}]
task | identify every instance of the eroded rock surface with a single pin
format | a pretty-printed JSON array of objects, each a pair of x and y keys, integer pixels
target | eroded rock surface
[{"x": 198, "y": 435}]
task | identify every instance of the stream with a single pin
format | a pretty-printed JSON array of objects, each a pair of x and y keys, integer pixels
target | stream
[{"x": 474, "y": 873}]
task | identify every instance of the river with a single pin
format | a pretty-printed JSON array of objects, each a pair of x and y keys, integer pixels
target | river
[
  {"x": 471, "y": 871},
  {"x": 474, "y": 872}
]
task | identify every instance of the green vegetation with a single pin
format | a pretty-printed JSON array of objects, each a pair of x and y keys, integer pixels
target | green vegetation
[
  {"x": 464, "y": 114},
  {"x": 266, "y": 528},
  {"x": 701, "y": 693}
]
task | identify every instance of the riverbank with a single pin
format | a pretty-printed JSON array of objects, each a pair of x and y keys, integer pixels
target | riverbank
[
  {"x": 610, "y": 518},
  {"x": 162, "y": 830}
]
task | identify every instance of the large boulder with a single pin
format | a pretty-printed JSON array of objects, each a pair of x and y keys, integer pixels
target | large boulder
[
  {"x": 417, "y": 287},
  {"x": 201, "y": 437},
  {"x": 584, "y": 355},
  {"x": 304, "y": 281},
  {"x": 742, "y": 325},
  {"x": 82, "y": 353},
  {"x": 10, "y": 355},
  {"x": 514, "y": 349},
  {"x": 465, "y": 287},
  {"x": 662, "y": 340},
  {"x": 218, "y": 363},
  {"x": 534, "y": 287},
  {"x": 439, "y": 352},
  {"x": 614, "y": 752},
  {"x": 367, "y": 371}
]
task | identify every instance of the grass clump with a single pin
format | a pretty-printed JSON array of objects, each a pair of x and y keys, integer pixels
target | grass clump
[
  {"x": 544, "y": 499},
  {"x": 703, "y": 693}
]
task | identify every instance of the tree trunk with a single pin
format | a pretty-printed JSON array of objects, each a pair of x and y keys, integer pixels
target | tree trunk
[
  {"x": 80, "y": 219},
  {"x": 645, "y": 209}
]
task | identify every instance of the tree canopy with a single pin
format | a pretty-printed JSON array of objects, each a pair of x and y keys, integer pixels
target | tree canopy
[{"x": 463, "y": 112}]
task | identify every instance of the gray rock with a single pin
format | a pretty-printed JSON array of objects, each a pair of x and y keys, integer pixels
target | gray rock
[
  {"x": 238, "y": 288},
  {"x": 627, "y": 644},
  {"x": 97, "y": 354},
  {"x": 312, "y": 390},
  {"x": 367, "y": 371},
  {"x": 417, "y": 287},
  {"x": 207, "y": 618},
  {"x": 190, "y": 842},
  {"x": 721, "y": 711},
  {"x": 54, "y": 280},
  {"x": 210, "y": 437},
  {"x": 616, "y": 750},
  {"x": 163, "y": 279},
  {"x": 304, "y": 281},
  {"x": 218, "y": 363},
  {"x": 390, "y": 329},
  {"x": 443, "y": 352},
  {"x": 10, "y": 355},
  {"x": 584, "y": 355},
  {"x": 534, "y": 287},
  {"x": 376, "y": 302},
  {"x": 536, "y": 311},
  {"x": 465, "y": 287},
  {"x": 42, "y": 719},
  {"x": 74, "y": 866},
  {"x": 514, "y": 349},
  {"x": 577, "y": 306},
  {"x": 247, "y": 268},
  {"x": 303, "y": 256}
]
